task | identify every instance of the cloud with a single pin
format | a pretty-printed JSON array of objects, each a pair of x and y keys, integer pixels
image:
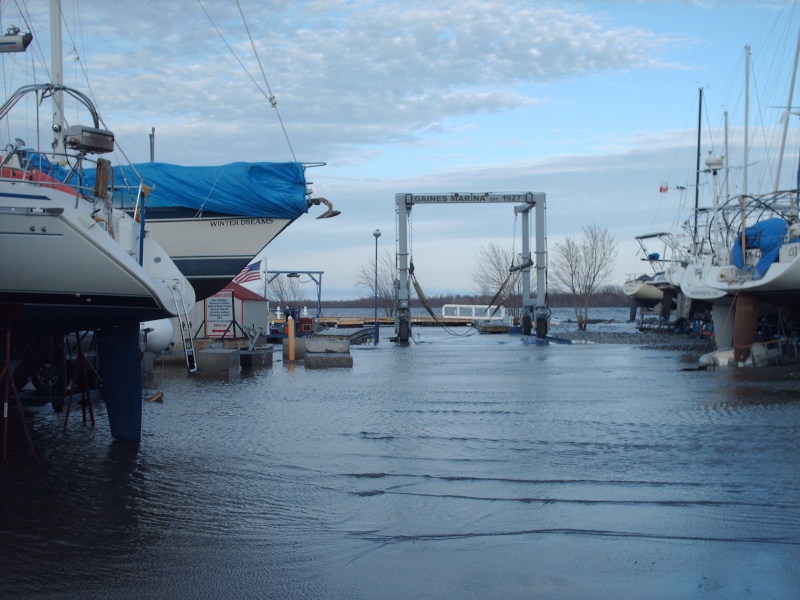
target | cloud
[{"x": 343, "y": 73}]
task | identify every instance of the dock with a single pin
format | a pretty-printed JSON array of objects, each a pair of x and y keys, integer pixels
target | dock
[
  {"x": 427, "y": 321},
  {"x": 354, "y": 335}
]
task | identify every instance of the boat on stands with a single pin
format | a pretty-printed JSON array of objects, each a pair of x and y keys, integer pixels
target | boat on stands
[
  {"x": 764, "y": 259},
  {"x": 70, "y": 261},
  {"x": 753, "y": 273},
  {"x": 214, "y": 220},
  {"x": 643, "y": 290}
]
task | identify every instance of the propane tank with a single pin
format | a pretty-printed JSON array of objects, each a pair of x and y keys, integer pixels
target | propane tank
[{"x": 157, "y": 335}]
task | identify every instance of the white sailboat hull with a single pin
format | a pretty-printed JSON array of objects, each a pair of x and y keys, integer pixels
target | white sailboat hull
[
  {"x": 704, "y": 280},
  {"x": 65, "y": 270},
  {"x": 642, "y": 292},
  {"x": 782, "y": 276},
  {"x": 694, "y": 284},
  {"x": 211, "y": 250}
]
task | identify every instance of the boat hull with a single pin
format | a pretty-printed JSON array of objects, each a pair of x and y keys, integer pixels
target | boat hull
[
  {"x": 210, "y": 250},
  {"x": 779, "y": 284},
  {"x": 64, "y": 271},
  {"x": 643, "y": 293},
  {"x": 694, "y": 282}
]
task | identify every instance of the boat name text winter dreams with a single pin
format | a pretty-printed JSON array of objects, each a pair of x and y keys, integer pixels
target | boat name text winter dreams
[{"x": 229, "y": 222}]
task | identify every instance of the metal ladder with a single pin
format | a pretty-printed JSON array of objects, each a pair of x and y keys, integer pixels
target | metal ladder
[{"x": 186, "y": 327}]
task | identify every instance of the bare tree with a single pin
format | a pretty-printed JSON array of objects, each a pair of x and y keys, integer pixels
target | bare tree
[
  {"x": 580, "y": 266},
  {"x": 492, "y": 269},
  {"x": 286, "y": 291},
  {"x": 365, "y": 281}
]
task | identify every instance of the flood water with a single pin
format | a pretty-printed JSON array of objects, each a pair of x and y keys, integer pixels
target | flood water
[{"x": 454, "y": 467}]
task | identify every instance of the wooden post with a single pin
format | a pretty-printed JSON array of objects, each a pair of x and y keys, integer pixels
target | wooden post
[{"x": 745, "y": 321}]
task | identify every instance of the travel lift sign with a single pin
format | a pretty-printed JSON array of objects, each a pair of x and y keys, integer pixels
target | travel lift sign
[{"x": 487, "y": 197}]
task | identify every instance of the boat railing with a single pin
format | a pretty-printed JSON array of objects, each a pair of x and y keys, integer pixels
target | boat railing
[
  {"x": 35, "y": 168},
  {"x": 473, "y": 311}
]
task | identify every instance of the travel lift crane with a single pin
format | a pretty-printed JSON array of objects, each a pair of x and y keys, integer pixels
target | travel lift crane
[{"x": 531, "y": 305}]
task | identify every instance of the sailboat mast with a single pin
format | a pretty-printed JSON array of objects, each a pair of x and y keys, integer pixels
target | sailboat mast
[
  {"x": 746, "y": 117},
  {"x": 746, "y": 137},
  {"x": 57, "y": 78},
  {"x": 727, "y": 189},
  {"x": 786, "y": 116},
  {"x": 697, "y": 172}
]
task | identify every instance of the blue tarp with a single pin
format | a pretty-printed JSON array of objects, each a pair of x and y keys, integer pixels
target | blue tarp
[
  {"x": 276, "y": 190},
  {"x": 30, "y": 159},
  {"x": 767, "y": 235}
]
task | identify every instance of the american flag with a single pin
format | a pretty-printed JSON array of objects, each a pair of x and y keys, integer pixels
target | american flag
[{"x": 249, "y": 273}]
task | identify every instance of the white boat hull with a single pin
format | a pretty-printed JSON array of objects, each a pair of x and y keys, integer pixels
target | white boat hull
[
  {"x": 642, "y": 292},
  {"x": 211, "y": 250},
  {"x": 66, "y": 271},
  {"x": 694, "y": 282},
  {"x": 781, "y": 278},
  {"x": 703, "y": 280}
]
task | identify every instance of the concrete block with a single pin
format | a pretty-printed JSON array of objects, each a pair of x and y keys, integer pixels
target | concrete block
[
  {"x": 327, "y": 346},
  {"x": 329, "y": 361},
  {"x": 218, "y": 361},
  {"x": 257, "y": 358}
]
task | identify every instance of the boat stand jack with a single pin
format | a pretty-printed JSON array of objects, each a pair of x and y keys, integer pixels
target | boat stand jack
[
  {"x": 7, "y": 378},
  {"x": 79, "y": 371}
]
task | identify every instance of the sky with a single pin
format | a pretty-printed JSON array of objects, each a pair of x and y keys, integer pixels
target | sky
[{"x": 593, "y": 103}]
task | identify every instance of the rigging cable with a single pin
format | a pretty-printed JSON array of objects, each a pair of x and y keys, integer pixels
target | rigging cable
[
  {"x": 269, "y": 95},
  {"x": 272, "y": 99},
  {"x": 199, "y": 213}
]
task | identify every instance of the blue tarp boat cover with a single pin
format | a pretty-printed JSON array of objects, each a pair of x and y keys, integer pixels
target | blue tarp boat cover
[
  {"x": 276, "y": 190},
  {"x": 767, "y": 235}
]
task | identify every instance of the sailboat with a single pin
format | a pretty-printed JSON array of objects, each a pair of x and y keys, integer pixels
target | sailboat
[
  {"x": 667, "y": 253},
  {"x": 212, "y": 220},
  {"x": 755, "y": 263},
  {"x": 70, "y": 261}
]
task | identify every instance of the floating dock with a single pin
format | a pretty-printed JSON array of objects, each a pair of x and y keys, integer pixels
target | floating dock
[{"x": 361, "y": 322}]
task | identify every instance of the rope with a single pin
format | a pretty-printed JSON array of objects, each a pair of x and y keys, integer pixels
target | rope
[
  {"x": 497, "y": 295},
  {"x": 424, "y": 300},
  {"x": 199, "y": 213}
]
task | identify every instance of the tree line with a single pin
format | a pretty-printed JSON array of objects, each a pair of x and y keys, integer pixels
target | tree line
[
  {"x": 576, "y": 271},
  {"x": 577, "y": 268},
  {"x": 607, "y": 296}
]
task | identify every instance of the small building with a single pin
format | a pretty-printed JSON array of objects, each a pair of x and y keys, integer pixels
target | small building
[{"x": 233, "y": 313}]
